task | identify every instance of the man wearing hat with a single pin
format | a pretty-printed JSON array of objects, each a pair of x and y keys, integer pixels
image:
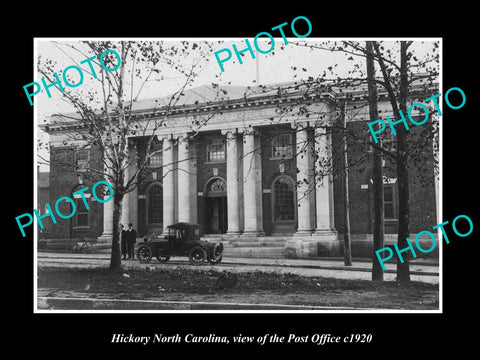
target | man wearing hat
[
  {"x": 131, "y": 237},
  {"x": 123, "y": 241}
]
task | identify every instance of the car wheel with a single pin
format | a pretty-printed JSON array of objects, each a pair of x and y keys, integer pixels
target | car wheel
[
  {"x": 197, "y": 255},
  {"x": 163, "y": 258},
  {"x": 144, "y": 254},
  {"x": 217, "y": 254}
]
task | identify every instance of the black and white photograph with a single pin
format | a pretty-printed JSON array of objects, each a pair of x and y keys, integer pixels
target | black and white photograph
[
  {"x": 218, "y": 183},
  {"x": 196, "y": 174}
]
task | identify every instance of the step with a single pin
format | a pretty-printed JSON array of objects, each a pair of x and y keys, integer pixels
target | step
[
  {"x": 258, "y": 244},
  {"x": 255, "y": 252}
]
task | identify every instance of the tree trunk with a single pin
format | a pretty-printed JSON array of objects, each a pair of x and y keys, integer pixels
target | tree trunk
[
  {"x": 115, "y": 259},
  {"x": 403, "y": 269},
  {"x": 377, "y": 177},
  {"x": 120, "y": 150},
  {"x": 346, "y": 201}
]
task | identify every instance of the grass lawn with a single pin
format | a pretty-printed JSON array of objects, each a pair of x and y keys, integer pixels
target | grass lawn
[{"x": 253, "y": 287}]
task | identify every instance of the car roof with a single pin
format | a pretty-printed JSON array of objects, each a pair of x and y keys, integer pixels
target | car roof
[{"x": 183, "y": 225}]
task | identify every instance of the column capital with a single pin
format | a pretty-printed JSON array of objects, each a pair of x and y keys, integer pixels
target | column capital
[
  {"x": 173, "y": 136},
  {"x": 320, "y": 129},
  {"x": 167, "y": 137},
  {"x": 304, "y": 125},
  {"x": 182, "y": 137},
  {"x": 233, "y": 131},
  {"x": 249, "y": 131}
]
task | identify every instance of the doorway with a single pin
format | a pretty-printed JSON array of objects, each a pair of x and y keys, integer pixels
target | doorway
[
  {"x": 216, "y": 220},
  {"x": 284, "y": 205}
]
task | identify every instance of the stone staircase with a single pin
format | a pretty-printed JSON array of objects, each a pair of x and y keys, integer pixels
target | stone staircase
[{"x": 272, "y": 247}]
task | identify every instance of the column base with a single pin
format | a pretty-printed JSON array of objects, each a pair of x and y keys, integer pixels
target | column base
[
  {"x": 252, "y": 233},
  {"x": 233, "y": 233},
  {"x": 325, "y": 232},
  {"x": 303, "y": 233}
]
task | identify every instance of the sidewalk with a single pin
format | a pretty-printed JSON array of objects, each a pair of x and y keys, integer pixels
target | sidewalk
[{"x": 420, "y": 269}]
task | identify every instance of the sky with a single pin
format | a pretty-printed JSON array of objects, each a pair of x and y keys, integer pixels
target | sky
[{"x": 284, "y": 64}]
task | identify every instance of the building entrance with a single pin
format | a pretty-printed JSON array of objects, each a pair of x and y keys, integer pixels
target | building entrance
[
  {"x": 284, "y": 205},
  {"x": 216, "y": 207}
]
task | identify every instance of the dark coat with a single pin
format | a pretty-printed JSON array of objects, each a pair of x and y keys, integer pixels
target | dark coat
[
  {"x": 131, "y": 236},
  {"x": 123, "y": 242}
]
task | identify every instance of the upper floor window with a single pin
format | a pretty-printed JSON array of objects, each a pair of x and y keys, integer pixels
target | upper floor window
[
  {"x": 216, "y": 151},
  {"x": 82, "y": 159},
  {"x": 155, "y": 160},
  {"x": 389, "y": 141},
  {"x": 282, "y": 147}
]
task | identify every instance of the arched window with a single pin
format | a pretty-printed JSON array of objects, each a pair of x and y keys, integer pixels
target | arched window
[
  {"x": 216, "y": 187},
  {"x": 283, "y": 199},
  {"x": 155, "y": 204}
]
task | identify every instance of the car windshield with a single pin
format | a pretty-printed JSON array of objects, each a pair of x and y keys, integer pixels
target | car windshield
[
  {"x": 184, "y": 232},
  {"x": 176, "y": 233}
]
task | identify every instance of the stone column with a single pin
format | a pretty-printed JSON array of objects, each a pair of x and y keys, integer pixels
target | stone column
[
  {"x": 168, "y": 183},
  {"x": 232, "y": 183},
  {"x": 183, "y": 180},
  {"x": 125, "y": 218},
  {"x": 133, "y": 195},
  {"x": 323, "y": 191},
  {"x": 107, "y": 209},
  {"x": 250, "y": 191},
  {"x": 304, "y": 181}
]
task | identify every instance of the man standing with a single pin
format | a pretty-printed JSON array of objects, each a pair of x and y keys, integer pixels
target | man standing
[
  {"x": 123, "y": 241},
  {"x": 131, "y": 236}
]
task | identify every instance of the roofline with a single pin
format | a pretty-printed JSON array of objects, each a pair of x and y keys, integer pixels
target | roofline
[{"x": 244, "y": 103}]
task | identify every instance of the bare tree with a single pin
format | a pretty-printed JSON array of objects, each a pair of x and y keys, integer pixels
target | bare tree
[
  {"x": 105, "y": 110},
  {"x": 402, "y": 71},
  {"x": 378, "y": 223}
]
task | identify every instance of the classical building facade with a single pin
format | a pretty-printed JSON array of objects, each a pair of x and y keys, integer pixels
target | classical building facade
[{"x": 259, "y": 166}]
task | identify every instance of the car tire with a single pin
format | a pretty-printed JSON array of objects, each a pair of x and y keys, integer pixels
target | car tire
[
  {"x": 144, "y": 254},
  {"x": 217, "y": 254},
  {"x": 163, "y": 258},
  {"x": 217, "y": 261},
  {"x": 197, "y": 255}
]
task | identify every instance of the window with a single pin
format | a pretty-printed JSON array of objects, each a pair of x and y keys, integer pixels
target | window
[
  {"x": 282, "y": 146},
  {"x": 216, "y": 187},
  {"x": 81, "y": 215},
  {"x": 389, "y": 201},
  {"x": 155, "y": 204},
  {"x": 155, "y": 160},
  {"x": 389, "y": 141},
  {"x": 82, "y": 159},
  {"x": 283, "y": 199},
  {"x": 216, "y": 151}
]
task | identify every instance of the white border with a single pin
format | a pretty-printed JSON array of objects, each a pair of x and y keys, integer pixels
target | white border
[{"x": 439, "y": 205}]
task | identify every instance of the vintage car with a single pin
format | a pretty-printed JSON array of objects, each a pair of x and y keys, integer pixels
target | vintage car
[{"x": 183, "y": 239}]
